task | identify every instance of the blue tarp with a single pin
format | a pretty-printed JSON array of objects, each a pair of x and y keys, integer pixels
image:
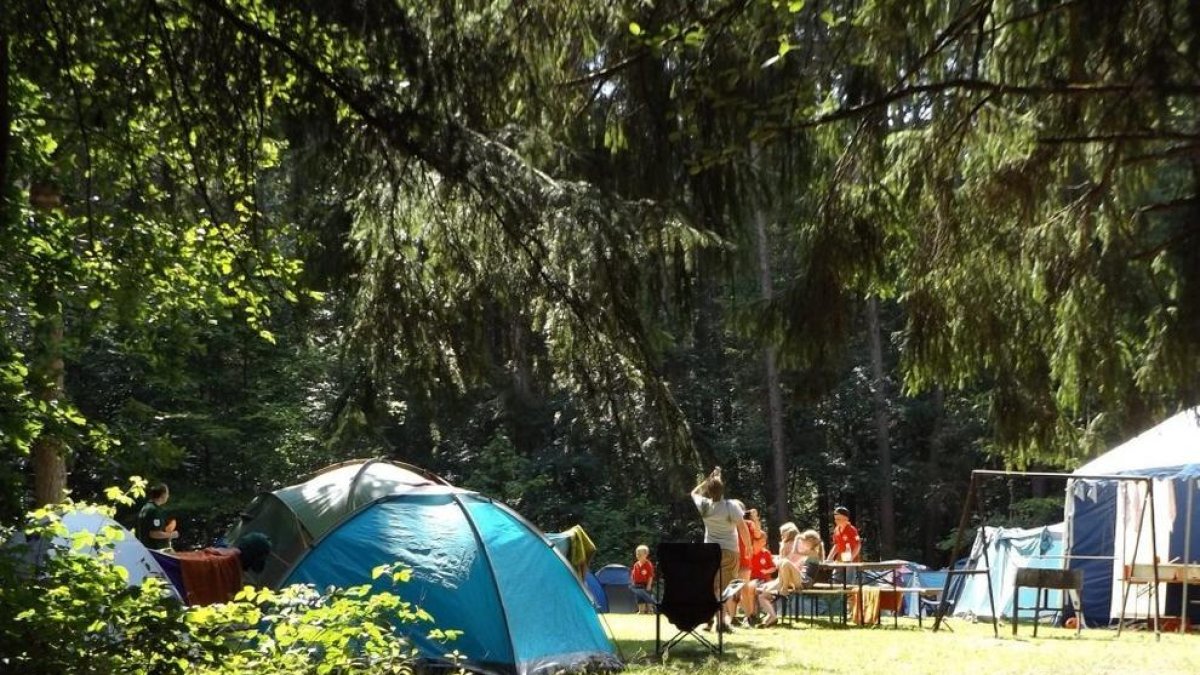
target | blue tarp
[
  {"x": 921, "y": 579},
  {"x": 476, "y": 567},
  {"x": 1008, "y": 549}
]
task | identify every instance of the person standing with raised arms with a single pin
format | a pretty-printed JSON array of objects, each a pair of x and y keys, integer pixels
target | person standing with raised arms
[{"x": 723, "y": 525}]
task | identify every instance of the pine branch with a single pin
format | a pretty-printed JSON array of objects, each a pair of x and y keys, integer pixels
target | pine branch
[{"x": 1068, "y": 89}]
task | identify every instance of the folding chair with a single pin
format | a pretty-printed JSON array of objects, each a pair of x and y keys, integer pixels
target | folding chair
[{"x": 689, "y": 598}]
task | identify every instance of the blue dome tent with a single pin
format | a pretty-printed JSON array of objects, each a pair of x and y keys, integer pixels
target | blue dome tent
[{"x": 477, "y": 567}]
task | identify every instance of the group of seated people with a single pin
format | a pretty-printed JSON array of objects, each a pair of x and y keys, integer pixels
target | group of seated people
[
  {"x": 764, "y": 576},
  {"x": 767, "y": 576}
]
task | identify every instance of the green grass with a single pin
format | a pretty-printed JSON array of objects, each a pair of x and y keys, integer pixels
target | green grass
[{"x": 967, "y": 648}]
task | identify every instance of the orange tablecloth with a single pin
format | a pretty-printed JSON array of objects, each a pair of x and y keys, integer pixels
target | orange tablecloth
[
  {"x": 875, "y": 600},
  {"x": 211, "y": 575}
]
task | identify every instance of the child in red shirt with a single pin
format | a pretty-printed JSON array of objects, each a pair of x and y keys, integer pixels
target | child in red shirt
[
  {"x": 762, "y": 568},
  {"x": 641, "y": 580}
]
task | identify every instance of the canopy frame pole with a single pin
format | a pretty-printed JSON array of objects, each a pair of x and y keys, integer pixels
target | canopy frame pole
[
  {"x": 968, "y": 505},
  {"x": 1187, "y": 553}
]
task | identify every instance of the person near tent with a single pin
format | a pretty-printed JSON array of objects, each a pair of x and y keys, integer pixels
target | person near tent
[
  {"x": 847, "y": 546},
  {"x": 723, "y": 525},
  {"x": 641, "y": 580},
  {"x": 154, "y": 529}
]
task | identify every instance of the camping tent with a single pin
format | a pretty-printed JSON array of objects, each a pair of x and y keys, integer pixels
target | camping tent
[
  {"x": 127, "y": 551},
  {"x": 576, "y": 547},
  {"x": 1103, "y": 516},
  {"x": 477, "y": 566},
  {"x": 1008, "y": 549},
  {"x": 614, "y": 579},
  {"x": 296, "y": 516}
]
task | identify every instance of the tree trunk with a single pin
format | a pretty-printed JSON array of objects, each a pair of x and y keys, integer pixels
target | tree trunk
[
  {"x": 49, "y": 467},
  {"x": 779, "y": 482},
  {"x": 887, "y": 512},
  {"x": 932, "y": 522},
  {"x": 5, "y": 120}
]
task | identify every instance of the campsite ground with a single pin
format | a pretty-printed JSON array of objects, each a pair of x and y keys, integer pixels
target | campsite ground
[{"x": 969, "y": 648}]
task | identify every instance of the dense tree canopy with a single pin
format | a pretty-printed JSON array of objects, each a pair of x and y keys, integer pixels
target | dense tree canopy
[{"x": 571, "y": 253}]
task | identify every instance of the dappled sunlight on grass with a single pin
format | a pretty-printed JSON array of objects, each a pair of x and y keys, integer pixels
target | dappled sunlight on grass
[{"x": 966, "y": 647}]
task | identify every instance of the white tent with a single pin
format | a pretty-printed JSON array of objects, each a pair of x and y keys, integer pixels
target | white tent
[
  {"x": 1104, "y": 516},
  {"x": 1173, "y": 443},
  {"x": 128, "y": 552}
]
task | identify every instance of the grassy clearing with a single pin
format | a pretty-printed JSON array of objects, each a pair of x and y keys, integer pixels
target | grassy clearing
[{"x": 824, "y": 648}]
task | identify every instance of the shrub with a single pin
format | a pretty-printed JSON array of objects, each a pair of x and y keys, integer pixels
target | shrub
[{"x": 73, "y": 611}]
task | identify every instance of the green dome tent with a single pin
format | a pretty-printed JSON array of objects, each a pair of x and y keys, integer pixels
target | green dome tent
[
  {"x": 296, "y": 516},
  {"x": 477, "y": 566}
]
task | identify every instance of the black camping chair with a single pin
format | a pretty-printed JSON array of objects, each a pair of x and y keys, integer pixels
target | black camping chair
[{"x": 689, "y": 597}]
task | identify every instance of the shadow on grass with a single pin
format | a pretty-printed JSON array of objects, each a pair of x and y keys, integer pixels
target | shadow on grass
[{"x": 743, "y": 646}]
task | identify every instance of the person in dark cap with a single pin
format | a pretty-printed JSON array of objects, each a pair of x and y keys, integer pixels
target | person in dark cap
[{"x": 847, "y": 547}]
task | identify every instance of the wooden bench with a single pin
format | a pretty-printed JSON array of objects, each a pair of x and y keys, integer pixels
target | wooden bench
[{"x": 814, "y": 591}]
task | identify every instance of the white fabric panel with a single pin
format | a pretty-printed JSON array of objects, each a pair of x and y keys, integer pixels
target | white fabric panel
[
  {"x": 1175, "y": 442},
  {"x": 1132, "y": 509}
]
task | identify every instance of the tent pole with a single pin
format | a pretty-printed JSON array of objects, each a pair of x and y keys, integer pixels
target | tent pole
[
  {"x": 1187, "y": 552},
  {"x": 987, "y": 565},
  {"x": 487, "y": 559},
  {"x": 1076, "y": 599},
  {"x": 1125, "y": 556},
  {"x": 1154, "y": 556},
  {"x": 958, "y": 537}
]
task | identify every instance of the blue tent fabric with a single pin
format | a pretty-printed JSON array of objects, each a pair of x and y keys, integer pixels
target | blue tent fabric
[
  {"x": 476, "y": 567},
  {"x": 921, "y": 579},
  {"x": 613, "y": 575},
  {"x": 1007, "y": 550},
  {"x": 1169, "y": 453},
  {"x": 1094, "y": 505},
  {"x": 599, "y": 601},
  {"x": 562, "y": 543},
  {"x": 618, "y": 597}
]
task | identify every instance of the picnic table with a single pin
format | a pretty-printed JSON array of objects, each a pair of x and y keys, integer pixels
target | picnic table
[{"x": 881, "y": 578}]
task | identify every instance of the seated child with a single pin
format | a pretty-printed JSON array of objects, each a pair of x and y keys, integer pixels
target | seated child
[
  {"x": 641, "y": 580},
  {"x": 762, "y": 568},
  {"x": 813, "y": 551}
]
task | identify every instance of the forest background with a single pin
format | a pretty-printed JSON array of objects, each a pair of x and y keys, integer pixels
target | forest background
[{"x": 574, "y": 254}]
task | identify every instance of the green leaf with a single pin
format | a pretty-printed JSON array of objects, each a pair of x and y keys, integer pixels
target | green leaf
[
  {"x": 635, "y": 28},
  {"x": 795, "y": 6}
]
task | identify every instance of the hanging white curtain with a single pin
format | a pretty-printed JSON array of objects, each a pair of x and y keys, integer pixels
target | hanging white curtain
[{"x": 1132, "y": 510}]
